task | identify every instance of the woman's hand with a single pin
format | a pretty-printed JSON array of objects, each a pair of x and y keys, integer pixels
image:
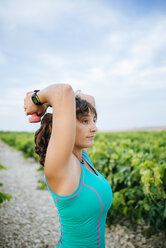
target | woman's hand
[
  {"x": 31, "y": 108},
  {"x": 89, "y": 98}
]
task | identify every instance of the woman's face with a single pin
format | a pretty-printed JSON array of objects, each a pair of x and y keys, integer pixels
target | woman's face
[{"x": 85, "y": 130}]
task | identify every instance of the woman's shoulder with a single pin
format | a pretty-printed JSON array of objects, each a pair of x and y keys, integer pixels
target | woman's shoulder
[{"x": 69, "y": 181}]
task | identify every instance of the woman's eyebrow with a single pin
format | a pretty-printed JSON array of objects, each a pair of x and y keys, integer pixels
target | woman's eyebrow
[{"x": 87, "y": 115}]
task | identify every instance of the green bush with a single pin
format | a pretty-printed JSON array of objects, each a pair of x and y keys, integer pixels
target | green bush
[
  {"x": 134, "y": 163},
  {"x": 4, "y": 196},
  {"x": 22, "y": 141}
]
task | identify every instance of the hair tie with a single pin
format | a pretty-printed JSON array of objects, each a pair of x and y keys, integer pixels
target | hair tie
[{"x": 77, "y": 92}]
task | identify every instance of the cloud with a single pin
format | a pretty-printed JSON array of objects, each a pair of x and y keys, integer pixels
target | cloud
[
  {"x": 94, "y": 46},
  {"x": 34, "y": 14},
  {"x": 3, "y": 58}
]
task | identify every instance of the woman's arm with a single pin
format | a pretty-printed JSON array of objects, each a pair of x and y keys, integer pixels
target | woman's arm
[
  {"x": 61, "y": 98},
  {"x": 61, "y": 143}
]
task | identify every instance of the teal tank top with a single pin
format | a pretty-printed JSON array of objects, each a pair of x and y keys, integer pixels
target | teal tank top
[{"x": 82, "y": 215}]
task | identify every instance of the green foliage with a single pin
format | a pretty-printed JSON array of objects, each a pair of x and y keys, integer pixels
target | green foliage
[
  {"x": 42, "y": 184},
  {"x": 2, "y": 167},
  {"x": 134, "y": 163},
  {"x": 22, "y": 141},
  {"x": 41, "y": 168},
  {"x": 4, "y": 196}
]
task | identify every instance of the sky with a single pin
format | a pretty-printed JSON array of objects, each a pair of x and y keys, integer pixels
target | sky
[{"x": 112, "y": 50}]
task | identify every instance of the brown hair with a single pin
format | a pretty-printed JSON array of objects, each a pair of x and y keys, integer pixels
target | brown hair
[{"x": 42, "y": 135}]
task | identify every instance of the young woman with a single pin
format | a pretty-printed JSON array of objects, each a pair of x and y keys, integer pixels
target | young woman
[{"x": 81, "y": 194}]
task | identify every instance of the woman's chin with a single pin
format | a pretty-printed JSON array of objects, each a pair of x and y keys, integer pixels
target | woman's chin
[{"x": 90, "y": 143}]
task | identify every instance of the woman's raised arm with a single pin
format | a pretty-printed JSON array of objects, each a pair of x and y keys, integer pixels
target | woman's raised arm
[{"x": 62, "y": 99}]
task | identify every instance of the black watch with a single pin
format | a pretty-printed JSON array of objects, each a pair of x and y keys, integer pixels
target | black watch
[{"x": 35, "y": 98}]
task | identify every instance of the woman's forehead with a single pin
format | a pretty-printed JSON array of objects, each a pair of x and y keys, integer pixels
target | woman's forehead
[{"x": 90, "y": 114}]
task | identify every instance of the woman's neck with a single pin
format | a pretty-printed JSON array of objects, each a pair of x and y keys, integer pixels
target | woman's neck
[{"x": 78, "y": 153}]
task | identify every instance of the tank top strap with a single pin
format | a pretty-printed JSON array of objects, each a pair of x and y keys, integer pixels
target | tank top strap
[{"x": 85, "y": 155}]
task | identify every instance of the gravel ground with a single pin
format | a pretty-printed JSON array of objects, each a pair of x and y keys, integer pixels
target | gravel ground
[{"x": 30, "y": 218}]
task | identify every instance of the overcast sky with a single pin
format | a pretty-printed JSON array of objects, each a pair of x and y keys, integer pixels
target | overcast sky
[{"x": 113, "y": 50}]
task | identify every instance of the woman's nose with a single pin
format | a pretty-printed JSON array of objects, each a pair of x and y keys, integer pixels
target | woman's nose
[{"x": 94, "y": 127}]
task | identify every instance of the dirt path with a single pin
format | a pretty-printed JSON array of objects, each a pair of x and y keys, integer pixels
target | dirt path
[{"x": 30, "y": 218}]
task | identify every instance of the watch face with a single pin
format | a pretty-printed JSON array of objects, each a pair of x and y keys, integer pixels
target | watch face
[{"x": 35, "y": 100}]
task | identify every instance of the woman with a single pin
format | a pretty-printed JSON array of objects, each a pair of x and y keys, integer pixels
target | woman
[{"x": 81, "y": 194}]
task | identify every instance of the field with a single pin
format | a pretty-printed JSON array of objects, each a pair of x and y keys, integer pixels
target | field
[{"x": 134, "y": 163}]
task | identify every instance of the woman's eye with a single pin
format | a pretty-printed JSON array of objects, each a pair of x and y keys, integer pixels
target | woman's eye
[{"x": 86, "y": 121}]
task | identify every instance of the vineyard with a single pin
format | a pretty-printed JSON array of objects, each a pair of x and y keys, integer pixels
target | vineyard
[{"x": 134, "y": 163}]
